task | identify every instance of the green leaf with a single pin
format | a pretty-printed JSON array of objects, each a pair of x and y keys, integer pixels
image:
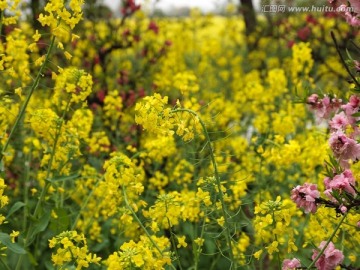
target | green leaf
[
  {"x": 356, "y": 89},
  {"x": 189, "y": 230},
  {"x": 62, "y": 222},
  {"x": 336, "y": 195},
  {"x": 210, "y": 246},
  {"x": 14, "y": 208},
  {"x": 49, "y": 265},
  {"x": 39, "y": 226},
  {"x": 349, "y": 55},
  {"x": 65, "y": 178},
  {"x": 14, "y": 247},
  {"x": 356, "y": 114},
  {"x": 100, "y": 246}
]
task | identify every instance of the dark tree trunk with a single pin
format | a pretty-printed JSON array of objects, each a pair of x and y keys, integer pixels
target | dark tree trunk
[
  {"x": 35, "y": 9},
  {"x": 247, "y": 9}
]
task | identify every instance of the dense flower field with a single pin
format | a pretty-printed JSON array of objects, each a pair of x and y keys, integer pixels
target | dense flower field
[{"x": 178, "y": 143}]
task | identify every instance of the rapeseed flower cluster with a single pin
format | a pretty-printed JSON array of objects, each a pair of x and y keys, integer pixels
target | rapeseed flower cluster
[
  {"x": 112, "y": 109},
  {"x": 274, "y": 228},
  {"x": 72, "y": 86},
  {"x": 153, "y": 116},
  {"x": 58, "y": 16},
  {"x": 71, "y": 249},
  {"x": 4, "y": 200},
  {"x": 142, "y": 254},
  {"x": 11, "y": 7}
]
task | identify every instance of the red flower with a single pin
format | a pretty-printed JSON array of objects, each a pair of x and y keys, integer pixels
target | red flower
[
  {"x": 304, "y": 33},
  {"x": 153, "y": 26}
]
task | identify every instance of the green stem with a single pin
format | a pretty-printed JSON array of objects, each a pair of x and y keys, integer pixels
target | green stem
[
  {"x": 5, "y": 265},
  {"x": 218, "y": 183},
  {"x": 84, "y": 205},
  {"x": 62, "y": 195},
  {"x": 47, "y": 185},
  {"x": 172, "y": 237},
  {"x": 26, "y": 189},
  {"x": 276, "y": 239},
  {"x": 343, "y": 60},
  {"x": 140, "y": 223},
  {"x": 26, "y": 102},
  {"x": 327, "y": 243},
  {"x": 197, "y": 254}
]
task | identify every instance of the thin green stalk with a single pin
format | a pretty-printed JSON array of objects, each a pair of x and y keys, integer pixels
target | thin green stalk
[
  {"x": 62, "y": 195},
  {"x": 343, "y": 60},
  {"x": 174, "y": 245},
  {"x": 327, "y": 243},
  {"x": 172, "y": 238},
  {"x": 47, "y": 185},
  {"x": 90, "y": 221},
  {"x": 197, "y": 254},
  {"x": 26, "y": 102},
  {"x": 26, "y": 189},
  {"x": 3, "y": 263},
  {"x": 276, "y": 239},
  {"x": 84, "y": 205},
  {"x": 140, "y": 223},
  {"x": 218, "y": 183}
]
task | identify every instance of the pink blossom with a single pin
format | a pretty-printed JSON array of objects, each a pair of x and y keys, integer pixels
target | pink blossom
[
  {"x": 342, "y": 8},
  {"x": 340, "y": 121},
  {"x": 343, "y": 147},
  {"x": 352, "y": 106},
  {"x": 323, "y": 108},
  {"x": 327, "y": 182},
  {"x": 314, "y": 102},
  {"x": 330, "y": 196},
  {"x": 355, "y": 4},
  {"x": 350, "y": 12},
  {"x": 357, "y": 65},
  {"x": 305, "y": 197},
  {"x": 343, "y": 181},
  {"x": 329, "y": 259},
  {"x": 337, "y": 2},
  {"x": 352, "y": 19},
  {"x": 290, "y": 264}
]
